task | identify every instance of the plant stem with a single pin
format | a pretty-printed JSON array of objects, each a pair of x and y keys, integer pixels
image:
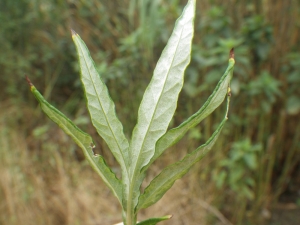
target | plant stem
[
  {"x": 128, "y": 213},
  {"x": 130, "y": 217}
]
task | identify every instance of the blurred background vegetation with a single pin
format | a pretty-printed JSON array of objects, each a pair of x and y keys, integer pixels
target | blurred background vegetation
[{"x": 253, "y": 168}]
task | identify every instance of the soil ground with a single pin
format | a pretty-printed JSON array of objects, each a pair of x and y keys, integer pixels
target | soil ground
[
  {"x": 287, "y": 211},
  {"x": 285, "y": 214}
]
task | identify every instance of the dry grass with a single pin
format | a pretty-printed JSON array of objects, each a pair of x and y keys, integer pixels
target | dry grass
[
  {"x": 41, "y": 182},
  {"x": 47, "y": 186}
]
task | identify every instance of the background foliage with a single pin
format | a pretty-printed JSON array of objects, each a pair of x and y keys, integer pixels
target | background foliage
[{"x": 256, "y": 161}]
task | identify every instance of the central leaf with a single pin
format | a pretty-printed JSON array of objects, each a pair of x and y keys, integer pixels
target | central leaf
[{"x": 160, "y": 99}]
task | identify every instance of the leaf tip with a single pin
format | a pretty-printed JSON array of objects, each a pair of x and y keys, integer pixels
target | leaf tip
[
  {"x": 229, "y": 91},
  {"x": 28, "y": 81},
  {"x": 231, "y": 54},
  {"x": 73, "y": 32},
  {"x": 169, "y": 216}
]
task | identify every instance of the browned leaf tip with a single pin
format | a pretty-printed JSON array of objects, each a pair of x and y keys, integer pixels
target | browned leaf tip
[
  {"x": 28, "y": 81},
  {"x": 231, "y": 54},
  {"x": 73, "y": 32}
]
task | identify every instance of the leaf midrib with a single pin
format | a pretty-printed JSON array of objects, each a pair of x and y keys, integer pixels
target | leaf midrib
[
  {"x": 199, "y": 114},
  {"x": 108, "y": 124},
  {"x": 190, "y": 157},
  {"x": 79, "y": 142},
  {"x": 143, "y": 142}
]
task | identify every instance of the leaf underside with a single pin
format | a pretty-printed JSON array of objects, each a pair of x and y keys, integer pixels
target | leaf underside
[
  {"x": 160, "y": 98},
  {"x": 102, "y": 111},
  {"x": 84, "y": 141},
  {"x": 100, "y": 106},
  {"x": 214, "y": 100},
  {"x": 165, "y": 180}
]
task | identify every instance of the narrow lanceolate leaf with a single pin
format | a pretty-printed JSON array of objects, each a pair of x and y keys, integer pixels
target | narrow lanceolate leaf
[
  {"x": 164, "y": 181},
  {"x": 214, "y": 100},
  {"x": 160, "y": 98},
  {"x": 83, "y": 140},
  {"x": 154, "y": 221},
  {"x": 101, "y": 106}
]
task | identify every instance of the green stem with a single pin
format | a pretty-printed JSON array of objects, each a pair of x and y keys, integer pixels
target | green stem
[{"x": 130, "y": 215}]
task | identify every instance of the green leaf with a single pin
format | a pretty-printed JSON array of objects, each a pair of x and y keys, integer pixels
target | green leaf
[
  {"x": 214, "y": 100},
  {"x": 101, "y": 106},
  {"x": 165, "y": 180},
  {"x": 160, "y": 99},
  {"x": 83, "y": 140},
  {"x": 250, "y": 160},
  {"x": 102, "y": 110},
  {"x": 154, "y": 221}
]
